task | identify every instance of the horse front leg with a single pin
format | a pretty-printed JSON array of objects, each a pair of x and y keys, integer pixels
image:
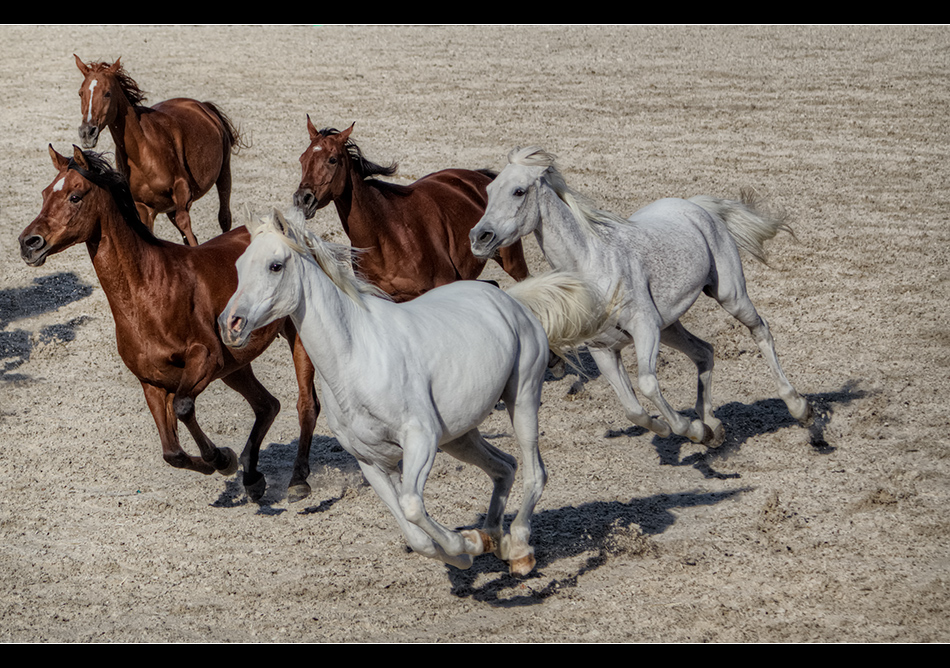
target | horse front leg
[
  {"x": 701, "y": 353},
  {"x": 610, "y": 363},
  {"x": 266, "y": 407},
  {"x": 160, "y": 405},
  {"x": 200, "y": 368}
]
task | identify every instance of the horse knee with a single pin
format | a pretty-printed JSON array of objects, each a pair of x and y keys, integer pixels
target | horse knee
[
  {"x": 412, "y": 507},
  {"x": 184, "y": 407}
]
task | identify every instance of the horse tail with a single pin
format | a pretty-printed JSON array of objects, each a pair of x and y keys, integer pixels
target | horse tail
[
  {"x": 230, "y": 130},
  {"x": 569, "y": 308},
  {"x": 748, "y": 225}
]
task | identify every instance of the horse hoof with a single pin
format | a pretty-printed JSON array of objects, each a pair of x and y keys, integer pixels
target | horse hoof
[
  {"x": 298, "y": 492},
  {"x": 232, "y": 465},
  {"x": 522, "y": 566},
  {"x": 255, "y": 490},
  {"x": 713, "y": 438},
  {"x": 808, "y": 419}
]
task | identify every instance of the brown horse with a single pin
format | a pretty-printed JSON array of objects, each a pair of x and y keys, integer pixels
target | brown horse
[
  {"x": 165, "y": 300},
  {"x": 412, "y": 238},
  {"x": 171, "y": 153}
]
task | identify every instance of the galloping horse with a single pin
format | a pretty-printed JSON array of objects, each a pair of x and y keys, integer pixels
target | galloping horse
[
  {"x": 401, "y": 381},
  {"x": 658, "y": 263},
  {"x": 165, "y": 298},
  {"x": 410, "y": 238},
  {"x": 171, "y": 153}
]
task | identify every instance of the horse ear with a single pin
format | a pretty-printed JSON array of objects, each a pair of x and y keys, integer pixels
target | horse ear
[
  {"x": 311, "y": 128},
  {"x": 346, "y": 133},
  {"x": 59, "y": 161},
  {"x": 81, "y": 65},
  {"x": 279, "y": 222},
  {"x": 79, "y": 158},
  {"x": 116, "y": 66}
]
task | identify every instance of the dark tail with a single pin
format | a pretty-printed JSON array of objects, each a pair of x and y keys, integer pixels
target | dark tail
[{"x": 234, "y": 136}]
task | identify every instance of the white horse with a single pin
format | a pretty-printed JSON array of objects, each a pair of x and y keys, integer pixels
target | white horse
[
  {"x": 401, "y": 381},
  {"x": 656, "y": 264}
]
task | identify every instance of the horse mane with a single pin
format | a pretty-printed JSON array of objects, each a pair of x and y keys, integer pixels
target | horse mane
[
  {"x": 335, "y": 260},
  {"x": 135, "y": 95},
  {"x": 587, "y": 215},
  {"x": 367, "y": 169},
  {"x": 103, "y": 175}
]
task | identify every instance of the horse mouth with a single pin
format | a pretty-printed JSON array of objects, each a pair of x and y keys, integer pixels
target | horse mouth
[{"x": 34, "y": 257}]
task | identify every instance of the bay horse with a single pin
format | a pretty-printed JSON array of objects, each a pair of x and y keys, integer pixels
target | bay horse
[
  {"x": 403, "y": 380},
  {"x": 658, "y": 262},
  {"x": 410, "y": 238},
  {"x": 171, "y": 153},
  {"x": 165, "y": 298}
]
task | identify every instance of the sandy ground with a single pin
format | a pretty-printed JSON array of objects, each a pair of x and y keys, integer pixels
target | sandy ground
[{"x": 836, "y": 535}]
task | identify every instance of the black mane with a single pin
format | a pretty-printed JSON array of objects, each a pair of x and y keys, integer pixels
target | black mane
[
  {"x": 102, "y": 174},
  {"x": 365, "y": 168}
]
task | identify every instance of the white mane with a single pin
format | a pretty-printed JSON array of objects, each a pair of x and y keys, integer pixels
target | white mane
[
  {"x": 587, "y": 215},
  {"x": 335, "y": 260}
]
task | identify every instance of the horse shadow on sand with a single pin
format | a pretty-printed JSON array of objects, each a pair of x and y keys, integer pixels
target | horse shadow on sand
[
  {"x": 601, "y": 529},
  {"x": 48, "y": 293}
]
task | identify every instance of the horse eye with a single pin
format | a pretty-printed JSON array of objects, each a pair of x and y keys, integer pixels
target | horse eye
[
  {"x": 75, "y": 199},
  {"x": 519, "y": 192},
  {"x": 276, "y": 267},
  {"x": 332, "y": 161}
]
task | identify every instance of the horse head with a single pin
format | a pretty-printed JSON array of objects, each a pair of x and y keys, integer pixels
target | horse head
[
  {"x": 513, "y": 208},
  {"x": 70, "y": 210},
  {"x": 324, "y": 166},
  {"x": 267, "y": 285}
]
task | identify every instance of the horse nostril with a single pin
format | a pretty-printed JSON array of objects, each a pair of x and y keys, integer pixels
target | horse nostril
[
  {"x": 236, "y": 323},
  {"x": 485, "y": 237},
  {"x": 34, "y": 242}
]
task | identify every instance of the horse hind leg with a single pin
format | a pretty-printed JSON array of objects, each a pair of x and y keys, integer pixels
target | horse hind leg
[
  {"x": 223, "y": 185},
  {"x": 742, "y": 309},
  {"x": 308, "y": 408},
  {"x": 181, "y": 216},
  {"x": 472, "y": 448},
  {"x": 701, "y": 353}
]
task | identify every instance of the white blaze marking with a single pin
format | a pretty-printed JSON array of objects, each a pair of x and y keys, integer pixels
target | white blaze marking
[
  {"x": 92, "y": 87},
  {"x": 317, "y": 148},
  {"x": 59, "y": 185}
]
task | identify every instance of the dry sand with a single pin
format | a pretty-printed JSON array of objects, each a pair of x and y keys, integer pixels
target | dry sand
[{"x": 780, "y": 535}]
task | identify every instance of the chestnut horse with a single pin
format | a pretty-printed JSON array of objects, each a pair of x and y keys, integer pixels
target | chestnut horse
[
  {"x": 171, "y": 153},
  {"x": 165, "y": 299},
  {"x": 410, "y": 238}
]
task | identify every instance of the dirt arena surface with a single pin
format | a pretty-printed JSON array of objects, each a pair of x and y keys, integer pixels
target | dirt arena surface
[{"x": 838, "y": 534}]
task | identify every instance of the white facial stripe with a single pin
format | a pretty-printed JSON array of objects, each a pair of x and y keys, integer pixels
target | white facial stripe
[
  {"x": 92, "y": 87},
  {"x": 317, "y": 148},
  {"x": 59, "y": 185}
]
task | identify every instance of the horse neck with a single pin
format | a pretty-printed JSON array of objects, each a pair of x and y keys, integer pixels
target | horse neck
[
  {"x": 362, "y": 209},
  {"x": 330, "y": 324},
  {"x": 126, "y": 129},
  {"x": 564, "y": 244},
  {"x": 121, "y": 257}
]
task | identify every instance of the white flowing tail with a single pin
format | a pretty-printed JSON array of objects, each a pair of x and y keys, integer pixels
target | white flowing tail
[
  {"x": 749, "y": 227},
  {"x": 569, "y": 308}
]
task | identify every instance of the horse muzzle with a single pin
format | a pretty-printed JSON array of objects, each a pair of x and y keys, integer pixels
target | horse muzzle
[
  {"x": 484, "y": 243},
  {"x": 34, "y": 249},
  {"x": 234, "y": 331},
  {"x": 88, "y": 135},
  {"x": 306, "y": 202}
]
